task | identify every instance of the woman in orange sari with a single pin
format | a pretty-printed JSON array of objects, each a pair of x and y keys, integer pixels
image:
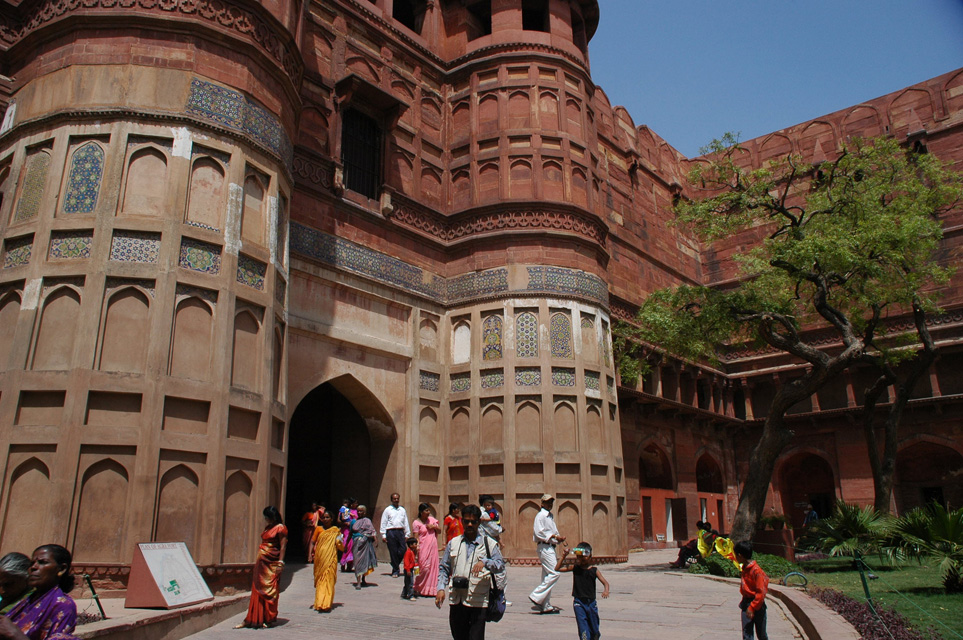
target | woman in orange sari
[
  {"x": 263, "y": 610},
  {"x": 325, "y": 545}
]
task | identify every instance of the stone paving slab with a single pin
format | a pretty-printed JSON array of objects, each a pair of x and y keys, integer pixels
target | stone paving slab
[{"x": 647, "y": 601}]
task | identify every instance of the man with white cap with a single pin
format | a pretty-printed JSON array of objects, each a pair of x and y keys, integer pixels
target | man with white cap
[{"x": 546, "y": 537}]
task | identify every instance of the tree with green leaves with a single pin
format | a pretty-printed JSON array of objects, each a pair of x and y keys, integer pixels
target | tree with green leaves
[{"x": 849, "y": 245}]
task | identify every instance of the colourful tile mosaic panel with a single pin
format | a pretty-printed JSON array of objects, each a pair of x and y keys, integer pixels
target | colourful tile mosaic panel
[
  {"x": 232, "y": 110},
  {"x": 474, "y": 285},
  {"x": 563, "y": 377},
  {"x": 610, "y": 383},
  {"x": 592, "y": 380},
  {"x": 200, "y": 225},
  {"x": 34, "y": 181},
  {"x": 429, "y": 381},
  {"x": 200, "y": 256},
  {"x": 17, "y": 252},
  {"x": 251, "y": 272},
  {"x": 567, "y": 281},
  {"x": 83, "y": 179},
  {"x": 560, "y": 335},
  {"x": 460, "y": 382},
  {"x": 492, "y": 378},
  {"x": 280, "y": 289},
  {"x": 528, "y": 376},
  {"x": 69, "y": 245},
  {"x": 526, "y": 335},
  {"x": 492, "y": 338},
  {"x": 135, "y": 246}
]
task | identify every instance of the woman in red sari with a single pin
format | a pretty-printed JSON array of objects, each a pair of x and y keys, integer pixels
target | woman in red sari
[{"x": 263, "y": 610}]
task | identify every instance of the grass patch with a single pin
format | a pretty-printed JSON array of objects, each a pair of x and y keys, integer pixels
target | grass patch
[{"x": 919, "y": 583}]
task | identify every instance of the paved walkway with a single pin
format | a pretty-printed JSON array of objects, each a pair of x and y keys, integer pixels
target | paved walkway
[{"x": 647, "y": 601}]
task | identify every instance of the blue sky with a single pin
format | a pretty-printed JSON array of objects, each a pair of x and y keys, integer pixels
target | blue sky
[{"x": 693, "y": 69}]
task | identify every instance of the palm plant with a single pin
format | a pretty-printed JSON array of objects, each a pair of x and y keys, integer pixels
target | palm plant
[
  {"x": 936, "y": 533},
  {"x": 849, "y": 531}
]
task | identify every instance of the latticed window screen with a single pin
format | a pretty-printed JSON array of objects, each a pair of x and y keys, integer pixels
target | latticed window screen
[{"x": 361, "y": 153}]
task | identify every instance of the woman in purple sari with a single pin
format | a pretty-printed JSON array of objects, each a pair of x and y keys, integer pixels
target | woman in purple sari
[{"x": 48, "y": 613}]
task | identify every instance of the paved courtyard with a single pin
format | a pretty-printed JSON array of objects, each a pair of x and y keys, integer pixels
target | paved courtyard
[{"x": 646, "y": 602}]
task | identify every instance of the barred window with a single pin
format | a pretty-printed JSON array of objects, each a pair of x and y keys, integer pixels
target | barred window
[{"x": 361, "y": 153}]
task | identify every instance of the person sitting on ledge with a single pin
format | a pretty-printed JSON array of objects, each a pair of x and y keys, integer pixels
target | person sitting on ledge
[
  {"x": 689, "y": 550},
  {"x": 48, "y": 613}
]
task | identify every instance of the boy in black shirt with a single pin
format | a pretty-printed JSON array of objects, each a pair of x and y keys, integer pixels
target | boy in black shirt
[{"x": 584, "y": 576}]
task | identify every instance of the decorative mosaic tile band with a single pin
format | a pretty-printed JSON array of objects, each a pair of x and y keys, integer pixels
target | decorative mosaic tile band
[
  {"x": 460, "y": 382},
  {"x": 200, "y": 225},
  {"x": 492, "y": 378},
  {"x": 528, "y": 376},
  {"x": 349, "y": 256},
  {"x": 17, "y": 251},
  {"x": 560, "y": 334},
  {"x": 68, "y": 245},
  {"x": 34, "y": 180},
  {"x": 200, "y": 256},
  {"x": 197, "y": 292},
  {"x": 429, "y": 381},
  {"x": 563, "y": 377},
  {"x": 251, "y": 272},
  {"x": 135, "y": 246},
  {"x": 233, "y": 110},
  {"x": 116, "y": 283},
  {"x": 83, "y": 179},
  {"x": 559, "y": 280},
  {"x": 492, "y": 338},
  {"x": 592, "y": 380}
]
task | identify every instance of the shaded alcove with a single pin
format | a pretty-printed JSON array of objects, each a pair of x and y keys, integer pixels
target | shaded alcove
[
  {"x": 335, "y": 451},
  {"x": 806, "y": 478},
  {"x": 928, "y": 472}
]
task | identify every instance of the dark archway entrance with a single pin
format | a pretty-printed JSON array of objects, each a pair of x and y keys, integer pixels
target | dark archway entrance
[
  {"x": 339, "y": 443},
  {"x": 807, "y": 478},
  {"x": 927, "y": 472}
]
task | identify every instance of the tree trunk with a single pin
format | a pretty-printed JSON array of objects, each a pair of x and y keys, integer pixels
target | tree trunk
[{"x": 774, "y": 439}]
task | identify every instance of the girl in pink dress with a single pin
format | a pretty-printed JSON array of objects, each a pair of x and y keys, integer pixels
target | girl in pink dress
[{"x": 426, "y": 529}]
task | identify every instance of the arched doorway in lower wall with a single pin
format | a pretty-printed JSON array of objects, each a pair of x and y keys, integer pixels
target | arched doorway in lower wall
[
  {"x": 806, "y": 478},
  {"x": 928, "y": 472},
  {"x": 339, "y": 445}
]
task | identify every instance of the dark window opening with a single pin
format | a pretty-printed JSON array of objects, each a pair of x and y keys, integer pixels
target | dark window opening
[
  {"x": 361, "y": 153},
  {"x": 410, "y": 13},
  {"x": 578, "y": 32},
  {"x": 479, "y": 19},
  {"x": 739, "y": 404},
  {"x": 919, "y": 147},
  {"x": 703, "y": 394},
  {"x": 535, "y": 15}
]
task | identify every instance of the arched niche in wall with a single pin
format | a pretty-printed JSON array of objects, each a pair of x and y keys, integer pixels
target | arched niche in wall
[
  {"x": 9, "y": 315},
  {"x": 520, "y": 185},
  {"x": 928, "y": 472},
  {"x": 205, "y": 200},
  {"x": 526, "y": 524},
  {"x": 314, "y": 130},
  {"x": 431, "y": 185},
  {"x": 519, "y": 110},
  {"x": 103, "y": 505},
  {"x": 460, "y": 431},
  {"x": 590, "y": 342},
  {"x": 238, "y": 516},
  {"x": 4, "y": 183},
  {"x": 28, "y": 503},
  {"x": 245, "y": 360},
  {"x": 488, "y": 113},
  {"x": 146, "y": 184},
  {"x": 528, "y": 426},
  {"x": 492, "y": 337},
  {"x": 548, "y": 111},
  {"x": 33, "y": 183},
  {"x": 565, "y": 425},
  {"x": 255, "y": 203},
  {"x": 553, "y": 184},
  {"x": 460, "y": 190},
  {"x": 429, "y": 437},
  {"x": 53, "y": 349},
  {"x": 85, "y": 171},
  {"x": 401, "y": 172},
  {"x": 579, "y": 188},
  {"x": 655, "y": 472},
  {"x": 428, "y": 338},
  {"x": 573, "y": 118},
  {"x": 430, "y": 117},
  {"x": 277, "y": 363},
  {"x": 461, "y": 120},
  {"x": 560, "y": 335},
  {"x": 526, "y": 335},
  {"x": 177, "y": 507},
  {"x": 569, "y": 522},
  {"x": 709, "y": 475},
  {"x": 492, "y": 428},
  {"x": 191, "y": 344},
  {"x": 488, "y": 190},
  {"x": 461, "y": 342},
  {"x": 601, "y": 527},
  {"x": 595, "y": 433},
  {"x": 126, "y": 330}
]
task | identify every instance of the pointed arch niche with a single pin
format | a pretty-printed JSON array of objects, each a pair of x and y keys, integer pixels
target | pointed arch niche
[
  {"x": 238, "y": 516},
  {"x": 85, "y": 170},
  {"x": 565, "y": 424},
  {"x": 460, "y": 429},
  {"x": 245, "y": 363},
  {"x": 126, "y": 328},
  {"x": 528, "y": 424},
  {"x": 28, "y": 503},
  {"x": 53, "y": 350},
  {"x": 429, "y": 438},
  {"x": 461, "y": 341},
  {"x": 205, "y": 200},
  {"x": 9, "y": 315},
  {"x": 654, "y": 469},
  {"x": 177, "y": 506},
  {"x": 190, "y": 355},
  {"x": 255, "y": 199},
  {"x": 492, "y": 424},
  {"x": 103, "y": 504},
  {"x": 146, "y": 185}
]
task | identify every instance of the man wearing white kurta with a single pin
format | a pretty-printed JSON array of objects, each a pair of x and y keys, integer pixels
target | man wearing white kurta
[{"x": 546, "y": 537}]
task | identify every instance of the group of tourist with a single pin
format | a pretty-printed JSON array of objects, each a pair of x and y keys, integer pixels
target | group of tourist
[{"x": 34, "y": 604}]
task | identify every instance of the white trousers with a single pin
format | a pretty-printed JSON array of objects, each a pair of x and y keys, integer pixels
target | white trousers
[{"x": 542, "y": 596}]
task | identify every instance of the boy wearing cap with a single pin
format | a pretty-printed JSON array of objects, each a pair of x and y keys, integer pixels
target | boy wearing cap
[
  {"x": 546, "y": 537},
  {"x": 584, "y": 576}
]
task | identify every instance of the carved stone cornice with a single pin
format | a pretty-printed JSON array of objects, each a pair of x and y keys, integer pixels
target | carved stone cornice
[{"x": 244, "y": 19}]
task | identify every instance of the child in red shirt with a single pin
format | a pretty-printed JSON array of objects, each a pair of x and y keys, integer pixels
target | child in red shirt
[
  {"x": 411, "y": 570},
  {"x": 755, "y": 585}
]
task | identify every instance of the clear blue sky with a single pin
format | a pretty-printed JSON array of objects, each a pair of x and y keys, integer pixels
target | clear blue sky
[{"x": 693, "y": 69}]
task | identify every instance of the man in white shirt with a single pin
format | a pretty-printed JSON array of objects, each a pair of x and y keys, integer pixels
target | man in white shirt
[
  {"x": 394, "y": 532},
  {"x": 546, "y": 537}
]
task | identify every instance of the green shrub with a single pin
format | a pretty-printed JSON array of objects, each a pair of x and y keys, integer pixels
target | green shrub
[
  {"x": 715, "y": 565},
  {"x": 775, "y": 566}
]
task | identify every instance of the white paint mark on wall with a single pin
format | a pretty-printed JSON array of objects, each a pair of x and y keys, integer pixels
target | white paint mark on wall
[
  {"x": 31, "y": 294},
  {"x": 182, "y": 142},
  {"x": 8, "y": 117},
  {"x": 273, "y": 227},
  {"x": 232, "y": 229}
]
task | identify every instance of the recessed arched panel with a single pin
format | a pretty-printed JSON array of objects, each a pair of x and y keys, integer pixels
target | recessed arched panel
[
  {"x": 245, "y": 362},
  {"x": 928, "y": 472},
  {"x": 430, "y": 116},
  {"x": 573, "y": 117},
  {"x": 238, "y": 518},
  {"x": 206, "y": 198},
  {"x": 461, "y": 120},
  {"x": 102, "y": 513},
  {"x": 488, "y": 190},
  {"x": 863, "y": 122},
  {"x": 806, "y": 478},
  {"x": 519, "y": 111},
  {"x": 775, "y": 147},
  {"x": 910, "y": 112},
  {"x": 553, "y": 186},
  {"x": 601, "y": 527},
  {"x": 191, "y": 346},
  {"x": 460, "y": 190},
  {"x": 488, "y": 114},
  {"x": 590, "y": 341},
  {"x": 126, "y": 328},
  {"x": 565, "y": 427},
  {"x": 58, "y": 326},
  {"x": 277, "y": 360},
  {"x": 654, "y": 469},
  {"x": 709, "y": 475},
  {"x": 560, "y": 335},
  {"x": 526, "y": 335},
  {"x": 84, "y": 174},
  {"x": 429, "y": 438},
  {"x": 431, "y": 185},
  {"x": 461, "y": 343},
  {"x": 520, "y": 183},
  {"x": 177, "y": 507},
  {"x": 568, "y": 521},
  {"x": 428, "y": 337},
  {"x": 146, "y": 188},
  {"x": 526, "y": 523},
  {"x": 314, "y": 130},
  {"x": 460, "y": 433},
  {"x": 579, "y": 188},
  {"x": 548, "y": 111},
  {"x": 492, "y": 337},
  {"x": 9, "y": 315},
  {"x": 252, "y": 219},
  {"x": 528, "y": 427},
  {"x": 594, "y": 429},
  {"x": 28, "y": 503},
  {"x": 492, "y": 429}
]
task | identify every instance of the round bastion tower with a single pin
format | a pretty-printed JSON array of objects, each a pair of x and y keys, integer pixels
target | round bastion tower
[{"x": 145, "y": 179}]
